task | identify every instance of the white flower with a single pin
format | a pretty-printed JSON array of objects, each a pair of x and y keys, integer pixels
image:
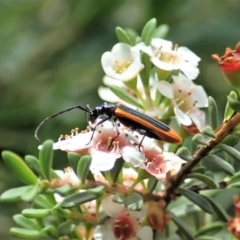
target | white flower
[
  {"x": 153, "y": 159},
  {"x": 187, "y": 98},
  {"x": 122, "y": 63},
  {"x": 104, "y": 146},
  {"x": 123, "y": 224},
  {"x": 167, "y": 57}
]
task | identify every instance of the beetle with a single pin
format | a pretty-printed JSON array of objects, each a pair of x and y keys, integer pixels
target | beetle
[{"x": 133, "y": 119}]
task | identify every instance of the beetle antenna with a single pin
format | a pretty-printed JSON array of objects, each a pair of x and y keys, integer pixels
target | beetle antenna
[{"x": 56, "y": 114}]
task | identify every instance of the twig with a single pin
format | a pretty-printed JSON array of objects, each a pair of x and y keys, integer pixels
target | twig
[{"x": 223, "y": 131}]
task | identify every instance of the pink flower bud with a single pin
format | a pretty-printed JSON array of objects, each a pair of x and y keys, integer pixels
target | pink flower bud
[{"x": 230, "y": 65}]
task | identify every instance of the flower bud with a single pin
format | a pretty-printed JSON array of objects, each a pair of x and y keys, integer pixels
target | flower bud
[{"x": 230, "y": 65}]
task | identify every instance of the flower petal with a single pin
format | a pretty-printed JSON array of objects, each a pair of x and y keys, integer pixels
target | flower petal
[
  {"x": 165, "y": 88},
  {"x": 133, "y": 155},
  {"x": 182, "y": 117}
]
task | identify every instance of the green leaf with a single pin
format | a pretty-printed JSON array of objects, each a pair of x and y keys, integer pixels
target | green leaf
[
  {"x": 116, "y": 170},
  {"x": 197, "y": 199},
  {"x": 231, "y": 140},
  {"x": 46, "y": 159},
  {"x": 65, "y": 228},
  {"x": 36, "y": 213},
  {"x": 230, "y": 151},
  {"x": 49, "y": 232},
  {"x": 25, "y": 233},
  {"x": 161, "y": 31},
  {"x": 84, "y": 167},
  {"x": 235, "y": 178},
  {"x": 73, "y": 160},
  {"x": 233, "y": 103},
  {"x": 31, "y": 193},
  {"x": 211, "y": 228},
  {"x": 133, "y": 202},
  {"x": 228, "y": 110},
  {"x": 145, "y": 73},
  {"x": 182, "y": 227},
  {"x": 41, "y": 201},
  {"x": 205, "y": 179},
  {"x": 148, "y": 31},
  {"x": 34, "y": 164},
  {"x": 219, "y": 210},
  {"x": 209, "y": 132},
  {"x": 123, "y": 36},
  {"x": 97, "y": 190},
  {"x": 151, "y": 184},
  {"x": 184, "y": 154},
  {"x": 132, "y": 34},
  {"x": 79, "y": 198},
  {"x": 207, "y": 237},
  {"x": 26, "y": 222},
  {"x": 101, "y": 217},
  {"x": 234, "y": 185},
  {"x": 199, "y": 139},
  {"x": 19, "y": 168},
  {"x": 124, "y": 95},
  {"x": 199, "y": 169},
  {"x": 213, "y": 113},
  {"x": 14, "y": 194},
  {"x": 223, "y": 165}
]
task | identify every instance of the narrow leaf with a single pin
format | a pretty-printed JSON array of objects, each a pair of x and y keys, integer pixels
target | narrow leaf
[
  {"x": 42, "y": 201},
  {"x": 151, "y": 184},
  {"x": 200, "y": 169},
  {"x": 199, "y": 139},
  {"x": 184, "y": 154},
  {"x": 230, "y": 151},
  {"x": 233, "y": 103},
  {"x": 133, "y": 202},
  {"x": 14, "y": 194},
  {"x": 148, "y": 31},
  {"x": 197, "y": 199},
  {"x": 182, "y": 227},
  {"x": 116, "y": 170},
  {"x": 73, "y": 160},
  {"x": 19, "y": 168},
  {"x": 64, "y": 228},
  {"x": 124, "y": 95},
  {"x": 235, "y": 178},
  {"x": 213, "y": 112},
  {"x": 79, "y": 198},
  {"x": 31, "y": 193},
  {"x": 207, "y": 237},
  {"x": 209, "y": 132},
  {"x": 219, "y": 210},
  {"x": 205, "y": 179},
  {"x": 26, "y": 222},
  {"x": 34, "y": 164},
  {"x": 211, "y": 228},
  {"x": 122, "y": 36},
  {"x": 83, "y": 167},
  {"x": 36, "y": 213},
  {"x": 228, "y": 110},
  {"x": 161, "y": 31},
  {"x": 25, "y": 233},
  {"x": 46, "y": 159},
  {"x": 49, "y": 232},
  {"x": 223, "y": 165},
  {"x": 231, "y": 140}
]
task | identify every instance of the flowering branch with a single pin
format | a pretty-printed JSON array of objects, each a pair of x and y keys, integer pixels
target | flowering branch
[{"x": 223, "y": 131}]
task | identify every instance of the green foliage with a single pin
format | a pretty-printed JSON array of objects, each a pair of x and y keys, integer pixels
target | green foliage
[{"x": 57, "y": 206}]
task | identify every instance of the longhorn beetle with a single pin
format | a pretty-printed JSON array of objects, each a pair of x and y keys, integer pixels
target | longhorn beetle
[{"x": 136, "y": 121}]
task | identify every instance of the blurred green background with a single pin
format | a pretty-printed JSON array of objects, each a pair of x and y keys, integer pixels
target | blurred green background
[{"x": 50, "y": 53}]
